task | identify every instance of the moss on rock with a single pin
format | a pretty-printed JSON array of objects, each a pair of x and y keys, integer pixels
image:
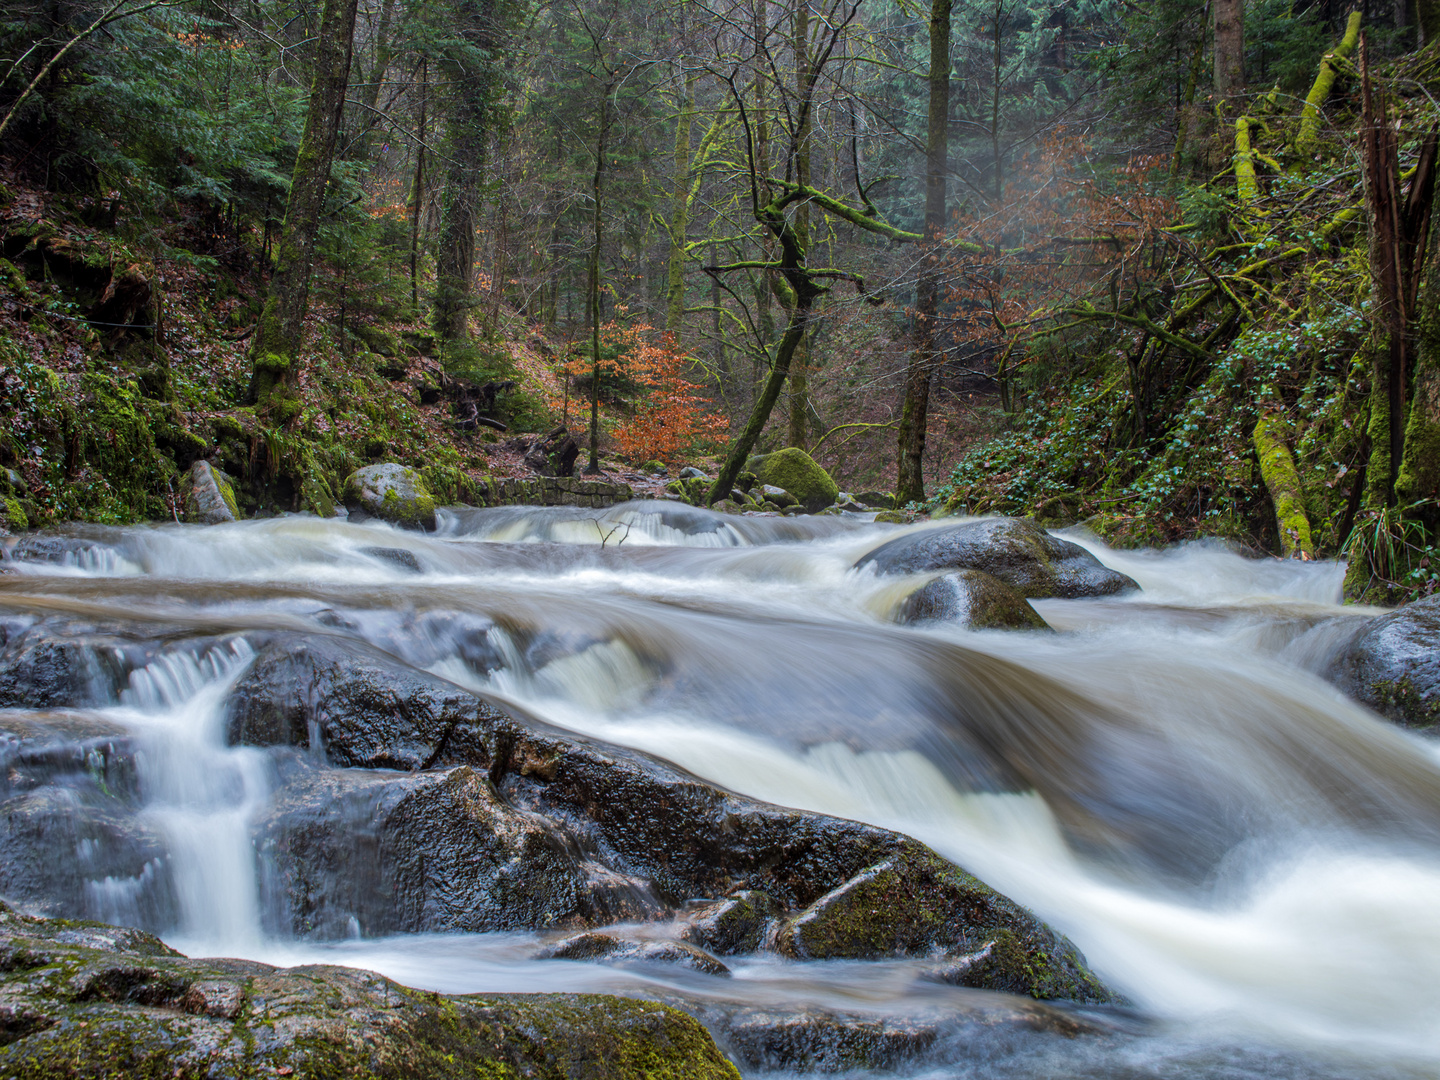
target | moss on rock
[
  {"x": 796, "y": 472},
  {"x": 85, "y": 1000},
  {"x": 917, "y": 904},
  {"x": 392, "y": 493}
]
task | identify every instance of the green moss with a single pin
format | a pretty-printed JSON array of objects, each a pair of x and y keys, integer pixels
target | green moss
[{"x": 796, "y": 472}]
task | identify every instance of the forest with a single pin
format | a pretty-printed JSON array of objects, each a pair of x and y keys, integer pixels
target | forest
[{"x": 1158, "y": 268}]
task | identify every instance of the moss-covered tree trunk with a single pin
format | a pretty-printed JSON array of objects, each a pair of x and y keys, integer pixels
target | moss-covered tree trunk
[
  {"x": 275, "y": 351},
  {"x": 910, "y": 471},
  {"x": 1277, "y": 469},
  {"x": 471, "y": 72}
]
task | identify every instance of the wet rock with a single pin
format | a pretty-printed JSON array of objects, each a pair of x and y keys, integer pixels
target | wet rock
[
  {"x": 55, "y": 664},
  {"x": 410, "y": 853},
  {"x": 876, "y": 500},
  {"x": 359, "y": 705},
  {"x": 124, "y": 1006},
  {"x": 392, "y": 493},
  {"x": 642, "y": 835},
  {"x": 400, "y": 557},
  {"x": 973, "y": 599},
  {"x": 822, "y": 1042},
  {"x": 1393, "y": 665},
  {"x": 1019, "y": 553},
  {"x": 736, "y": 924},
  {"x": 607, "y": 948},
  {"x": 916, "y": 904},
  {"x": 73, "y": 840},
  {"x": 208, "y": 496},
  {"x": 85, "y": 549},
  {"x": 796, "y": 472},
  {"x": 692, "y": 473},
  {"x": 777, "y": 495}
]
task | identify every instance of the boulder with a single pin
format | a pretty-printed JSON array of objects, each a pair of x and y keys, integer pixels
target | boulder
[
  {"x": 72, "y": 838},
  {"x": 972, "y": 598},
  {"x": 392, "y": 493},
  {"x": 1393, "y": 665},
  {"x": 89, "y": 1000},
  {"x": 1019, "y": 553},
  {"x": 423, "y": 852},
  {"x": 642, "y": 835},
  {"x": 796, "y": 472},
  {"x": 208, "y": 496},
  {"x": 777, "y": 495},
  {"x": 917, "y": 904},
  {"x": 876, "y": 500}
]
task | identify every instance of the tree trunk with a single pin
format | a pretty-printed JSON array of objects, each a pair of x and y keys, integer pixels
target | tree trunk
[
  {"x": 370, "y": 92},
  {"x": 417, "y": 190},
  {"x": 1229, "y": 46},
  {"x": 473, "y": 81},
  {"x": 804, "y": 82},
  {"x": 1427, "y": 19},
  {"x": 598, "y": 191},
  {"x": 910, "y": 471},
  {"x": 275, "y": 350}
]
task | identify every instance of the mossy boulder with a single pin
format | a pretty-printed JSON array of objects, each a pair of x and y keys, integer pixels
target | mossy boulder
[
  {"x": 1393, "y": 665},
  {"x": 971, "y": 598},
  {"x": 917, "y": 904},
  {"x": 392, "y": 493},
  {"x": 1019, "y": 553},
  {"x": 90, "y": 1000},
  {"x": 208, "y": 496},
  {"x": 796, "y": 472}
]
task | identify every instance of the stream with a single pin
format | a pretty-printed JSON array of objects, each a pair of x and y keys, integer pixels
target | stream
[{"x": 1252, "y": 859}]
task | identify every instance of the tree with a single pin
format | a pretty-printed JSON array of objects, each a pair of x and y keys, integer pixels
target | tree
[
  {"x": 469, "y": 64},
  {"x": 910, "y": 477},
  {"x": 1229, "y": 48},
  {"x": 276, "y": 350}
]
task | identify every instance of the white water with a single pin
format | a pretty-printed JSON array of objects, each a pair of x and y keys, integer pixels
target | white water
[{"x": 1315, "y": 929}]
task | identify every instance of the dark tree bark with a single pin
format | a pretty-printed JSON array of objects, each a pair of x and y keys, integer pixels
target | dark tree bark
[
  {"x": 910, "y": 472},
  {"x": 275, "y": 352},
  {"x": 1229, "y": 18},
  {"x": 473, "y": 81},
  {"x": 598, "y": 192}
]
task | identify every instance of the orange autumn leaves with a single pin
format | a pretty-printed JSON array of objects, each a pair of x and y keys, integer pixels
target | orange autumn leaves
[{"x": 666, "y": 415}]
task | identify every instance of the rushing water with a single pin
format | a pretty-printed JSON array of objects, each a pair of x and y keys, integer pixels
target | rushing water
[{"x": 1253, "y": 859}]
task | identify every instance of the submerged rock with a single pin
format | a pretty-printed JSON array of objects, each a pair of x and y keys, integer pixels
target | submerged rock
[
  {"x": 795, "y": 471},
  {"x": 391, "y": 493},
  {"x": 1393, "y": 665},
  {"x": 90, "y": 1000},
  {"x": 1019, "y": 553},
  {"x": 610, "y": 949},
  {"x": 972, "y": 598},
  {"x": 208, "y": 496}
]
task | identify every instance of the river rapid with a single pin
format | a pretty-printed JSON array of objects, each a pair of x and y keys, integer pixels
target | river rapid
[{"x": 1247, "y": 855}]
